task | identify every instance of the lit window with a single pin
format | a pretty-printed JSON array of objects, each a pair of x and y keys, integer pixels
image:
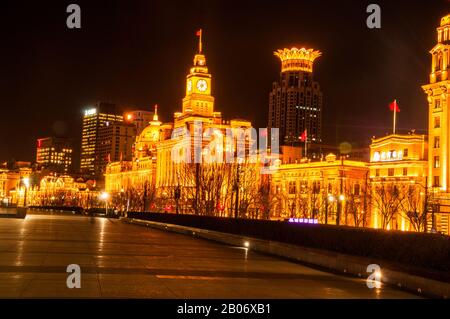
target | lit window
[
  {"x": 437, "y": 103},
  {"x": 437, "y": 142},
  {"x": 437, "y": 163},
  {"x": 436, "y": 181},
  {"x": 437, "y": 122}
]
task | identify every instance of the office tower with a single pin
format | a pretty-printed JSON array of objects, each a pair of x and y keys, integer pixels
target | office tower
[
  {"x": 115, "y": 143},
  {"x": 94, "y": 118},
  {"x": 55, "y": 154},
  {"x": 295, "y": 102}
]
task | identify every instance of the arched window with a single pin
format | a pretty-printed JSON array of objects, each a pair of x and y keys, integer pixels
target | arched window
[{"x": 440, "y": 61}]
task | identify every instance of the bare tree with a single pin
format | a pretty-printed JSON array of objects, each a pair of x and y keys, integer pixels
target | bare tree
[
  {"x": 387, "y": 198},
  {"x": 203, "y": 186},
  {"x": 413, "y": 207}
]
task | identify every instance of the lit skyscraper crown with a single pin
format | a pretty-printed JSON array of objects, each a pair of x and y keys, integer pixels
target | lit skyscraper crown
[{"x": 297, "y": 59}]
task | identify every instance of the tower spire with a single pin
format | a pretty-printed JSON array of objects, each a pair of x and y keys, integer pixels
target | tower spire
[{"x": 155, "y": 116}]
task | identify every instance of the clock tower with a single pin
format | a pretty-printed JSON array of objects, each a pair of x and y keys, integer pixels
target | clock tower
[
  {"x": 198, "y": 99},
  {"x": 438, "y": 91}
]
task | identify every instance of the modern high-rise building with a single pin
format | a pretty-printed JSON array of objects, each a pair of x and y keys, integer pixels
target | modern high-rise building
[
  {"x": 140, "y": 118},
  {"x": 295, "y": 102},
  {"x": 94, "y": 119},
  {"x": 55, "y": 153},
  {"x": 114, "y": 143}
]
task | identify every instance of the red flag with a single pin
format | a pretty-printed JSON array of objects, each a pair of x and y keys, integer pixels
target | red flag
[
  {"x": 394, "y": 106},
  {"x": 304, "y": 136}
]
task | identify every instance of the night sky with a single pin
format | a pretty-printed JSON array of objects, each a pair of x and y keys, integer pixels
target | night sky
[{"x": 139, "y": 52}]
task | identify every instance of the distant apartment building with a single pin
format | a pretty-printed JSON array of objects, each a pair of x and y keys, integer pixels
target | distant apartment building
[{"x": 55, "y": 154}]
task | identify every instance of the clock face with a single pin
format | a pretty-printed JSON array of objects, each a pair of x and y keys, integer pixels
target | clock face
[
  {"x": 189, "y": 85},
  {"x": 155, "y": 135},
  {"x": 202, "y": 86}
]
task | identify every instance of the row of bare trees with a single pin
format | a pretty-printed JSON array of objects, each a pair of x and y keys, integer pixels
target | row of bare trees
[
  {"x": 389, "y": 200},
  {"x": 225, "y": 189},
  {"x": 409, "y": 201}
]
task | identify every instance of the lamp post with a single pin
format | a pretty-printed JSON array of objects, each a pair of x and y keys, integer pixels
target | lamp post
[
  {"x": 105, "y": 196},
  {"x": 177, "y": 194},
  {"x": 426, "y": 206},
  {"x": 177, "y": 197},
  {"x": 26, "y": 182},
  {"x": 330, "y": 199},
  {"x": 236, "y": 188},
  {"x": 341, "y": 199}
]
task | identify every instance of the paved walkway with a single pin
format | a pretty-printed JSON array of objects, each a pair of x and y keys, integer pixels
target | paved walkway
[{"x": 122, "y": 260}]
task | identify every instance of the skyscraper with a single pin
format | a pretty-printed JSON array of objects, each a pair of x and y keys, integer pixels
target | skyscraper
[
  {"x": 93, "y": 120},
  {"x": 55, "y": 153},
  {"x": 295, "y": 102},
  {"x": 114, "y": 143}
]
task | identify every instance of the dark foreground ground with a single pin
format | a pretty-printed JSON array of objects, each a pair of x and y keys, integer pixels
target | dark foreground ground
[{"x": 119, "y": 260}]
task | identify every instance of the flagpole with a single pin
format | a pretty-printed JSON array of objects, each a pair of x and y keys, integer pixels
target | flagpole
[
  {"x": 200, "y": 42},
  {"x": 395, "y": 117},
  {"x": 306, "y": 143}
]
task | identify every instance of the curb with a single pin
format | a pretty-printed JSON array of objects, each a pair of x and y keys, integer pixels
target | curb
[{"x": 336, "y": 262}]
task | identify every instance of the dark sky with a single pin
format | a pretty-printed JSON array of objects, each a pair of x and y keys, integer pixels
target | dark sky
[{"x": 139, "y": 52}]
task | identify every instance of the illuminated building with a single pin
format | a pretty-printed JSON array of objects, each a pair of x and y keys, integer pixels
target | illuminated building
[
  {"x": 323, "y": 190},
  {"x": 114, "y": 143},
  {"x": 295, "y": 102},
  {"x": 11, "y": 180},
  {"x": 93, "y": 119},
  {"x": 437, "y": 91},
  {"x": 55, "y": 153},
  {"x": 153, "y": 166},
  {"x": 398, "y": 175},
  {"x": 139, "y": 118}
]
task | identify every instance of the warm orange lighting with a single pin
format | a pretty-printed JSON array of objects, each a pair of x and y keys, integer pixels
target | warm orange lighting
[
  {"x": 297, "y": 59},
  {"x": 129, "y": 117}
]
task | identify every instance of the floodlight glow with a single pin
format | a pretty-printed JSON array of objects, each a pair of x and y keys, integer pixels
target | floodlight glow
[{"x": 90, "y": 112}]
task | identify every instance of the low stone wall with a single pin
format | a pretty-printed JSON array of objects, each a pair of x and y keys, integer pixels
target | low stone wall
[
  {"x": 13, "y": 212},
  {"x": 335, "y": 262}
]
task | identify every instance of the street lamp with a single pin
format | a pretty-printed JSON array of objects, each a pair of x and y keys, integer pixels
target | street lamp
[
  {"x": 341, "y": 199},
  {"x": 26, "y": 182},
  {"x": 330, "y": 199},
  {"x": 427, "y": 205},
  {"x": 105, "y": 196}
]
